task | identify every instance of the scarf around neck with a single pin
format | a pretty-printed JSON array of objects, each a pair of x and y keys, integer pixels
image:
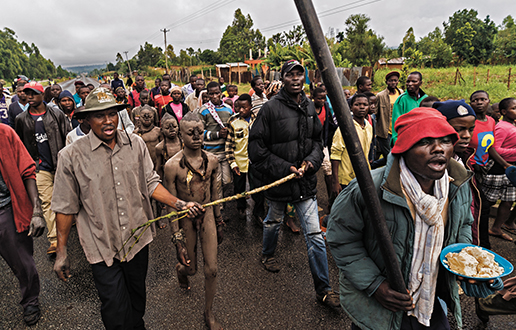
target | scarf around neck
[{"x": 428, "y": 241}]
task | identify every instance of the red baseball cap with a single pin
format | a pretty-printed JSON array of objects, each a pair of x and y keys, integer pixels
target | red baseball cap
[
  {"x": 34, "y": 86},
  {"x": 418, "y": 124}
]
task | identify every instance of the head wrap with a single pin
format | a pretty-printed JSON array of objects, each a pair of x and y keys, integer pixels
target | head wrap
[
  {"x": 418, "y": 124},
  {"x": 175, "y": 88}
]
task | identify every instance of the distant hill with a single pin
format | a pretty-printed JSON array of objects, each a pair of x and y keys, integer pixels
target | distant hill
[{"x": 85, "y": 68}]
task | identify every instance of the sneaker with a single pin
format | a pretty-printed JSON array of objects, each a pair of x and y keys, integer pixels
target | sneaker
[
  {"x": 31, "y": 315},
  {"x": 270, "y": 264},
  {"x": 52, "y": 249},
  {"x": 329, "y": 298}
]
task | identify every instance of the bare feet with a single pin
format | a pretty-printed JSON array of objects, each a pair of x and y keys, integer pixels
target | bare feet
[
  {"x": 292, "y": 224},
  {"x": 211, "y": 322},
  {"x": 501, "y": 235},
  {"x": 162, "y": 223},
  {"x": 182, "y": 279}
]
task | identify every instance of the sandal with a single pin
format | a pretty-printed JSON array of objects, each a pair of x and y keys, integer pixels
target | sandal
[{"x": 270, "y": 264}]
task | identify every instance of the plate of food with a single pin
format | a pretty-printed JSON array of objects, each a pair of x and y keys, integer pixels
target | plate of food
[{"x": 474, "y": 262}]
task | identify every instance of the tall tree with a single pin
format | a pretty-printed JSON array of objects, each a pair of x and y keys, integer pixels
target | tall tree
[
  {"x": 505, "y": 42},
  {"x": 239, "y": 37},
  {"x": 408, "y": 43},
  {"x": 364, "y": 46},
  {"x": 437, "y": 53},
  {"x": 480, "y": 36},
  {"x": 148, "y": 55}
]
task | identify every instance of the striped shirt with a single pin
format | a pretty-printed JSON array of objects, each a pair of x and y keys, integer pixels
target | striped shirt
[
  {"x": 212, "y": 142},
  {"x": 237, "y": 141}
]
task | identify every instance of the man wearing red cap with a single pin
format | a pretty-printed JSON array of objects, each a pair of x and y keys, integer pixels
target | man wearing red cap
[
  {"x": 426, "y": 201},
  {"x": 385, "y": 100},
  {"x": 43, "y": 131}
]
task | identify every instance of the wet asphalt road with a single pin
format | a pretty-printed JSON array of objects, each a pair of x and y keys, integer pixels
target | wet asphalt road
[{"x": 248, "y": 297}]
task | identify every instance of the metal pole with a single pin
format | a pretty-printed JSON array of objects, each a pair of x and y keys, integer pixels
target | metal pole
[
  {"x": 356, "y": 154},
  {"x": 127, "y": 60},
  {"x": 166, "y": 58}
]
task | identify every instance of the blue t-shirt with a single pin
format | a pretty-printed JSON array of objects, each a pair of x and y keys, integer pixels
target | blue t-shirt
[{"x": 45, "y": 155}]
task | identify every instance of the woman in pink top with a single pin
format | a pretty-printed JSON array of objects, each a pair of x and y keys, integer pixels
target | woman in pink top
[{"x": 496, "y": 185}]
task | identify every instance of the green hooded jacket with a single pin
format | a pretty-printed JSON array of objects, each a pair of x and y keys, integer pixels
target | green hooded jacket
[{"x": 354, "y": 247}]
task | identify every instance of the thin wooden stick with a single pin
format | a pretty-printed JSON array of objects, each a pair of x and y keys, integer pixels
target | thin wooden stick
[{"x": 185, "y": 212}]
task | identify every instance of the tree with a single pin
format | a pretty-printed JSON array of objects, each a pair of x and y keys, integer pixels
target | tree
[
  {"x": 436, "y": 52},
  {"x": 408, "y": 43},
  {"x": 239, "y": 37},
  {"x": 505, "y": 42},
  {"x": 364, "y": 47},
  {"x": 148, "y": 55},
  {"x": 480, "y": 44}
]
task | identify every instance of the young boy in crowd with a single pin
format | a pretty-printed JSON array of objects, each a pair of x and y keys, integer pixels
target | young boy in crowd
[
  {"x": 482, "y": 140},
  {"x": 428, "y": 101},
  {"x": 342, "y": 170},
  {"x": 236, "y": 146},
  {"x": 83, "y": 91},
  {"x": 144, "y": 100},
  {"x": 371, "y": 118},
  {"x": 80, "y": 131},
  {"x": 163, "y": 98},
  {"x": 166, "y": 149},
  {"x": 215, "y": 115},
  {"x": 177, "y": 108},
  {"x": 494, "y": 112},
  {"x": 232, "y": 96},
  {"x": 120, "y": 94},
  {"x": 192, "y": 174},
  {"x": 149, "y": 132},
  {"x": 66, "y": 104},
  {"x": 258, "y": 96}
]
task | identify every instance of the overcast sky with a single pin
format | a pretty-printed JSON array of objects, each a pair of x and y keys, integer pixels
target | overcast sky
[{"x": 92, "y": 32}]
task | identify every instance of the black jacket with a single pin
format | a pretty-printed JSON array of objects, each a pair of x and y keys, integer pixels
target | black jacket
[
  {"x": 168, "y": 108},
  {"x": 56, "y": 127},
  {"x": 283, "y": 135}
]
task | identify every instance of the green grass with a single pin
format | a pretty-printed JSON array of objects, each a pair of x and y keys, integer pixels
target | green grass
[{"x": 440, "y": 82}]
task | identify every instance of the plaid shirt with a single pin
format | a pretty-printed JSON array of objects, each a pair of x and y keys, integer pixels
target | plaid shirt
[{"x": 237, "y": 142}]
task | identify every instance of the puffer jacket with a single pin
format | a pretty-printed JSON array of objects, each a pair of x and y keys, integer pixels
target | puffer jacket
[
  {"x": 356, "y": 252},
  {"x": 283, "y": 135},
  {"x": 56, "y": 126}
]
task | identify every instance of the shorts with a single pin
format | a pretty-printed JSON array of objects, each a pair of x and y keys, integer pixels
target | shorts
[{"x": 498, "y": 187}]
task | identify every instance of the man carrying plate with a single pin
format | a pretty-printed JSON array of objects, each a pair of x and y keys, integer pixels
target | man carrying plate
[{"x": 426, "y": 201}]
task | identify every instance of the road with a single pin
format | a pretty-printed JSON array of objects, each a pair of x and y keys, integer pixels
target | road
[
  {"x": 248, "y": 297},
  {"x": 69, "y": 84}
]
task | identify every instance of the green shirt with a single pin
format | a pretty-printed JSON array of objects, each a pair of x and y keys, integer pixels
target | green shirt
[{"x": 404, "y": 103}]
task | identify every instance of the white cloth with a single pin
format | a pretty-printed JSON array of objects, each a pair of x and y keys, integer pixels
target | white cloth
[
  {"x": 428, "y": 240},
  {"x": 123, "y": 116}
]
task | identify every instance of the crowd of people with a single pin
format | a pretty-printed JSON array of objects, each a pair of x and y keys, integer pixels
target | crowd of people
[{"x": 110, "y": 158}]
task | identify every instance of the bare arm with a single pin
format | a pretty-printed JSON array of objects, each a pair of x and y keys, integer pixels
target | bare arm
[
  {"x": 37, "y": 223},
  {"x": 335, "y": 177},
  {"x": 162, "y": 195},
  {"x": 497, "y": 158},
  {"x": 62, "y": 264}
]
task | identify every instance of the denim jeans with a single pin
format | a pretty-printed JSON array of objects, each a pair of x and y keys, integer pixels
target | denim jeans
[{"x": 308, "y": 216}]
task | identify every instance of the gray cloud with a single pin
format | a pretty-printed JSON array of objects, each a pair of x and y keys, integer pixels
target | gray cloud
[{"x": 90, "y": 32}]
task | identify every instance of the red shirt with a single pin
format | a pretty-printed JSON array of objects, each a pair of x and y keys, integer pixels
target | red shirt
[
  {"x": 483, "y": 138},
  {"x": 134, "y": 98},
  {"x": 160, "y": 101},
  {"x": 16, "y": 165},
  {"x": 322, "y": 115}
]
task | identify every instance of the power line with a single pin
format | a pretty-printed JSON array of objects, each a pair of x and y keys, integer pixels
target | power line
[{"x": 166, "y": 57}]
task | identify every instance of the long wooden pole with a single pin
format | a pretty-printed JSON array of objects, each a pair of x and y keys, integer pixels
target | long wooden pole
[{"x": 328, "y": 71}]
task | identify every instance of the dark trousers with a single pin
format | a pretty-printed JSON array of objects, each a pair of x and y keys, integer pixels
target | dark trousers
[
  {"x": 438, "y": 321},
  {"x": 259, "y": 198},
  {"x": 483, "y": 225},
  {"x": 239, "y": 182},
  {"x": 384, "y": 146},
  {"x": 16, "y": 249},
  {"x": 122, "y": 292}
]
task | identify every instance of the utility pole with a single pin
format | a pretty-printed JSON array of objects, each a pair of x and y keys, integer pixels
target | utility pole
[
  {"x": 127, "y": 60},
  {"x": 166, "y": 58}
]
